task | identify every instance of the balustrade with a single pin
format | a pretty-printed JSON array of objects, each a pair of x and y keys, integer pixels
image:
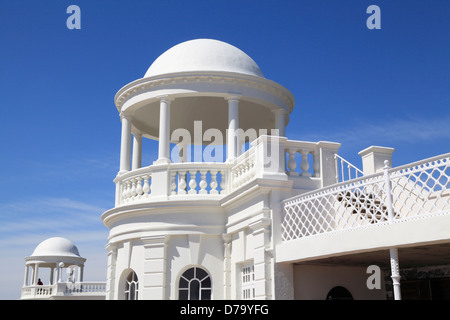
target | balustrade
[
  {"x": 416, "y": 190},
  {"x": 64, "y": 288},
  {"x": 304, "y": 149},
  {"x": 244, "y": 170},
  {"x": 198, "y": 178},
  {"x": 218, "y": 179}
]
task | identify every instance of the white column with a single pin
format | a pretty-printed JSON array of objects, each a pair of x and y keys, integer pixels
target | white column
[
  {"x": 125, "y": 145},
  {"x": 52, "y": 275},
  {"x": 233, "y": 126},
  {"x": 60, "y": 271},
  {"x": 164, "y": 130},
  {"x": 154, "y": 279},
  {"x": 393, "y": 252},
  {"x": 80, "y": 273},
  {"x": 25, "y": 279},
  {"x": 261, "y": 258},
  {"x": 137, "y": 151},
  {"x": 227, "y": 266},
  {"x": 280, "y": 121},
  {"x": 35, "y": 274},
  {"x": 395, "y": 273}
]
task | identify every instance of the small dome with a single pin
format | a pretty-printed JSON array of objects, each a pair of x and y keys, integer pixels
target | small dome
[
  {"x": 56, "y": 246},
  {"x": 204, "y": 55}
]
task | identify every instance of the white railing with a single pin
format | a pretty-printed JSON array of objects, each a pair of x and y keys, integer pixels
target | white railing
[
  {"x": 85, "y": 288},
  {"x": 219, "y": 179},
  {"x": 64, "y": 289},
  {"x": 394, "y": 195},
  {"x": 198, "y": 178},
  {"x": 345, "y": 171},
  {"x": 135, "y": 185},
  {"x": 244, "y": 169},
  {"x": 306, "y": 151}
]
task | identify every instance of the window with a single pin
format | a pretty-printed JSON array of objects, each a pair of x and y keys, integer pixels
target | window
[
  {"x": 248, "y": 279},
  {"x": 132, "y": 286},
  {"x": 195, "y": 284},
  {"x": 339, "y": 293}
]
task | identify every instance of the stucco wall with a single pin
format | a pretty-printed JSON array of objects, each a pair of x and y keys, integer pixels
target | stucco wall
[{"x": 312, "y": 282}]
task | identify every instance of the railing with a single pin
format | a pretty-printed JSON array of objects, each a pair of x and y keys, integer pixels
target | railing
[
  {"x": 244, "y": 169},
  {"x": 342, "y": 175},
  {"x": 395, "y": 195},
  {"x": 85, "y": 288},
  {"x": 64, "y": 289},
  {"x": 302, "y": 167},
  {"x": 219, "y": 179},
  {"x": 198, "y": 178}
]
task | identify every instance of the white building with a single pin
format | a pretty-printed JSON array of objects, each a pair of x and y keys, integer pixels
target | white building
[{"x": 233, "y": 209}]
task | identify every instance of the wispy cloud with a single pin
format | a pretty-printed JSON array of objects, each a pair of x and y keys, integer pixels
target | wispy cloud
[
  {"x": 30, "y": 219},
  {"x": 405, "y": 130}
]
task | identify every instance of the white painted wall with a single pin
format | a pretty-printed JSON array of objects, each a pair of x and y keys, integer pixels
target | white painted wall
[{"x": 313, "y": 282}]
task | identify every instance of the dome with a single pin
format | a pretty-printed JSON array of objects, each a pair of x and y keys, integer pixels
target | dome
[
  {"x": 204, "y": 55},
  {"x": 56, "y": 246}
]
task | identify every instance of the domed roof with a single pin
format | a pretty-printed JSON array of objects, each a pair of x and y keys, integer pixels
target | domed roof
[
  {"x": 56, "y": 246},
  {"x": 204, "y": 55}
]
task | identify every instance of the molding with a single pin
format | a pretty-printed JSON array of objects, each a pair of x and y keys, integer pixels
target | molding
[{"x": 156, "y": 83}]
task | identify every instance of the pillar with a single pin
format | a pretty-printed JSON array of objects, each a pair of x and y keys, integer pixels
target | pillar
[
  {"x": 35, "y": 274},
  {"x": 233, "y": 126},
  {"x": 262, "y": 259},
  {"x": 227, "y": 266},
  {"x": 80, "y": 273},
  {"x": 280, "y": 121},
  {"x": 164, "y": 130},
  {"x": 154, "y": 284},
  {"x": 125, "y": 145},
  {"x": 52, "y": 275},
  {"x": 111, "y": 271},
  {"x": 373, "y": 158},
  {"x": 25, "y": 279},
  {"x": 137, "y": 151}
]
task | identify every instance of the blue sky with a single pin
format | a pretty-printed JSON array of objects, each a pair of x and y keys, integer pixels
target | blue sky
[{"x": 60, "y": 129}]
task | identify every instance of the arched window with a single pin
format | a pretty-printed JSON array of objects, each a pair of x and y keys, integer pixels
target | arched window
[
  {"x": 339, "y": 293},
  {"x": 195, "y": 284},
  {"x": 132, "y": 286}
]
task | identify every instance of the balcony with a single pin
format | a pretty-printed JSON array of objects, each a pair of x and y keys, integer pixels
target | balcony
[
  {"x": 310, "y": 165},
  {"x": 395, "y": 207},
  {"x": 65, "y": 291}
]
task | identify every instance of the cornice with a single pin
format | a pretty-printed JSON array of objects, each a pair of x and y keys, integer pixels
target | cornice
[{"x": 155, "y": 83}]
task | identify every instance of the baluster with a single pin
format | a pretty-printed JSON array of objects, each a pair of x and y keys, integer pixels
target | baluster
[
  {"x": 316, "y": 163},
  {"x": 128, "y": 190},
  {"x": 123, "y": 195},
  {"x": 133, "y": 188},
  {"x": 223, "y": 182},
  {"x": 193, "y": 182},
  {"x": 203, "y": 184},
  {"x": 292, "y": 164},
  {"x": 173, "y": 183},
  {"x": 139, "y": 186},
  {"x": 305, "y": 164},
  {"x": 146, "y": 188},
  {"x": 182, "y": 182},
  {"x": 213, "y": 183}
]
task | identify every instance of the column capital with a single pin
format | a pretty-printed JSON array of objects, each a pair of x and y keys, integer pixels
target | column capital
[
  {"x": 125, "y": 115},
  {"x": 233, "y": 97},
  {"x": 279, "y": 111},
  {"x": 111, "y": 247},
  {"x": 165, "y": 97}
]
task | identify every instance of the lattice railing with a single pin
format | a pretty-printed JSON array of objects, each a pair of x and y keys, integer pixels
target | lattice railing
[{"x": 416, "y": 190}]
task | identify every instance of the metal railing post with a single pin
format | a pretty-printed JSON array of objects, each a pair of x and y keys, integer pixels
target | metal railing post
[{"x": 393, "y": 252}]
